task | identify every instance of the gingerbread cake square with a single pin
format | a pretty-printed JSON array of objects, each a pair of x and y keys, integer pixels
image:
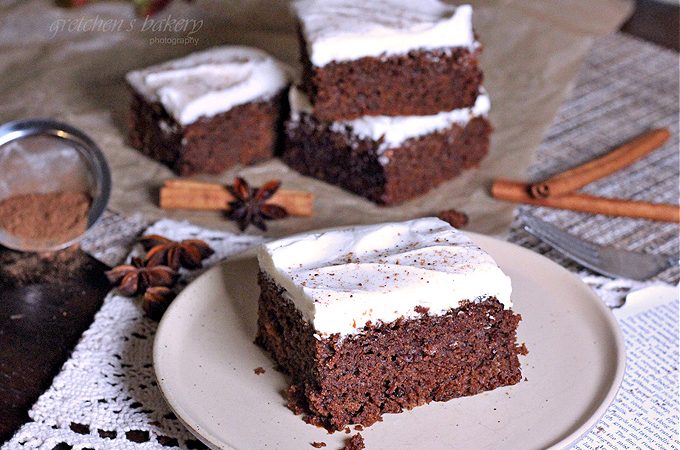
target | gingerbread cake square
[
  {"x": 387, "y": 57},
  {"x": 387, "y": 159},
  {"x": 377, "y": 319},
  {"x": 210, "y": 110}
]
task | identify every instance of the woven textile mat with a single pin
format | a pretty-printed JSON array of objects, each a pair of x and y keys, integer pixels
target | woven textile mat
[{"x": 626, "y": 87}]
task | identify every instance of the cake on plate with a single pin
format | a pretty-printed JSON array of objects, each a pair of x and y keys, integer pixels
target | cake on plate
[
  {"x": 209, "y": 110},
  {"x": 376, "y": 319},
  {"x": 387, "y": 159},
  {"x": 387, "y": 57}
]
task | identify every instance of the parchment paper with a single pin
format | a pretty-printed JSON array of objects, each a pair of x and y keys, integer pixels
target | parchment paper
[{"x": 70, "y": 64}]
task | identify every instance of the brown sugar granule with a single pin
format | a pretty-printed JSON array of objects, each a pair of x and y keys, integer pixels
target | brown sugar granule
[
  {"x": 55, "y": 216},
  {"x": 356, "y": 442},
  {"x": 318, "y": 444},
  {"x": 259, "y": 370},
  {"x": 455, "y": 218}
]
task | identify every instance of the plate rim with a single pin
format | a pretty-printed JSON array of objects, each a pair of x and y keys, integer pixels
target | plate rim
[{"x": 479, "y": 239}]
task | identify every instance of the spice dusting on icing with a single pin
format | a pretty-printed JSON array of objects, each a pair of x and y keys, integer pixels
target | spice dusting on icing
[{"x": 379, "y": 273}]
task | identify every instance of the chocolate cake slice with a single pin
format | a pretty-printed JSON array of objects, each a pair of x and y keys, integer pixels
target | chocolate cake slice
[
  {"x": 387, "y": 57},
  {"x": 387, "y": 159},
  {"x": 380, "y": 318},
  {"x": 210, "y": 110}
]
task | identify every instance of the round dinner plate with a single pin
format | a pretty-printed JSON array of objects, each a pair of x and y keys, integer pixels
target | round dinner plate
[{"x": 205, "y": 362}]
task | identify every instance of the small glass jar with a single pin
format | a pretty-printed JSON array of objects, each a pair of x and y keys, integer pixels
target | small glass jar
[{"x": 41, "y": 156}]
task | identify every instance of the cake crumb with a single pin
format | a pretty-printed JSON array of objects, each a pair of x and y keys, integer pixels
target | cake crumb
[
  {"x": 356, "y": 442},
  {"x": 522, "y": 349},
  {"x": 358, "y": 428},
  {"x": 259, "y": 370},
  {"x": 347, "y": 430},
  {"x": 455, "y": 218},
  {"x": 318, "y": 444},
  {"x": 421, "y": 309}
]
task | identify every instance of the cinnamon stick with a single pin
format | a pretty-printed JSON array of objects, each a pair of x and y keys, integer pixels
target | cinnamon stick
[
  {"x": 617, "y": 159},
  {"x": 199, "y": 195},
  {"x": 517, "y": 192}
]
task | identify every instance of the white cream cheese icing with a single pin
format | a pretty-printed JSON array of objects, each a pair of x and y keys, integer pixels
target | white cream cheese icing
[
  {"x": 345, "y": 30},
  {"x": 394, "y": 130},
  {"x": 210, "y": 82},
  {"x": 341, "y": 279}
]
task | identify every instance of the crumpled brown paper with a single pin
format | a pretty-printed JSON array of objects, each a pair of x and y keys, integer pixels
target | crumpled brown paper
[{"x": 70, "y": 65}]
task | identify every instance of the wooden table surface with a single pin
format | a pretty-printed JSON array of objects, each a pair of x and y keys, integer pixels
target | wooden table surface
[{"x": 46, "y": 304}]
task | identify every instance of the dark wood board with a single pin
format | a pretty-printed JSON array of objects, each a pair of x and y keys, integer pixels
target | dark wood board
[
  {"x": 46, "y": 302},
  {"x": 657, "y": 22}
]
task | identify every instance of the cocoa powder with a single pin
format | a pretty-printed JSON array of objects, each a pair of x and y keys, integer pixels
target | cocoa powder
[{"x": 53, "y": 217}]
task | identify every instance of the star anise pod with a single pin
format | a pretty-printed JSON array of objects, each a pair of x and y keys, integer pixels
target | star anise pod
[
  {"x": 136, "y": 277},
  {"x": 156, "y": 300},
  {"x": 165, "y": 252},
  {"x": 249, "y": 205}
]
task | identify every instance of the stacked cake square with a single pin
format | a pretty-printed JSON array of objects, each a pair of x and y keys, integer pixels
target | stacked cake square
[{"x": 391, "y": 102}]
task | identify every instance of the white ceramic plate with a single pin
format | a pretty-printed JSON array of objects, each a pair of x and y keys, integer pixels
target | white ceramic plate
[{"x": 205, "y": 358}]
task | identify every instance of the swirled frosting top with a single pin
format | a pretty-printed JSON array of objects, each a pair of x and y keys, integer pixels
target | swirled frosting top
[
  {"x": 342, "y": 279},
  {"x": 210, "y": 82},
  {"x": 345, "y": 30}
]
